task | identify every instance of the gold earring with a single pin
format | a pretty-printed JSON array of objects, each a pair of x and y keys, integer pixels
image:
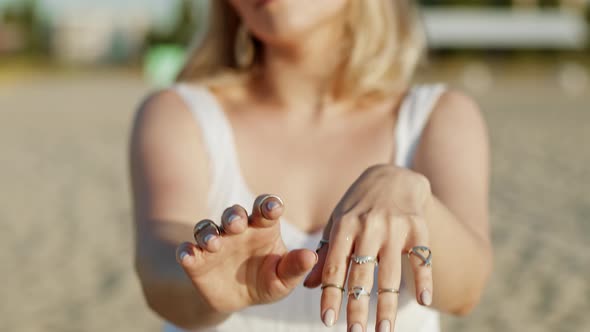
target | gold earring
[{"x": 244, "y": 47}]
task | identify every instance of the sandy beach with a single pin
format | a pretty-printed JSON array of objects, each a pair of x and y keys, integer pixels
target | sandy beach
[{"x": 65, "y": 213}]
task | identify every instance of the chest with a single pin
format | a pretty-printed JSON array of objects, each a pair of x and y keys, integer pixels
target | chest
[{"x": 309, "y": 166}]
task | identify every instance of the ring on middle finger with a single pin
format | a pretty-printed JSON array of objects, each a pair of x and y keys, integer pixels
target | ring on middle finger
[
  {"x": 364, "y": 259},
  {"x": 357, "y": 292}
]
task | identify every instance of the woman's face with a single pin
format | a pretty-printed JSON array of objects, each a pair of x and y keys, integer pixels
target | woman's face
[{"x": 286, "y": 21}]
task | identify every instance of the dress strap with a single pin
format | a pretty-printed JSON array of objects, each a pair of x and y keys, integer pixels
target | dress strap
[
  {"x": 217, "y": 136},
  {"x": 413, "y": 116}
]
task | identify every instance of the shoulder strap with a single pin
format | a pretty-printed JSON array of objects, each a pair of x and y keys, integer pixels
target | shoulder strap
[
  {"x": 413, "y": 116},
  {"x": 217, "y": 136}
]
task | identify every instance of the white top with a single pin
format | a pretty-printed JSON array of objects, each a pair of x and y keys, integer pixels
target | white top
[{"x": 300, "y": 311}]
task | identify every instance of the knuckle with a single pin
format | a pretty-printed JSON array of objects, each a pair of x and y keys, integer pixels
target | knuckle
[{"x": 332, "y": 271}]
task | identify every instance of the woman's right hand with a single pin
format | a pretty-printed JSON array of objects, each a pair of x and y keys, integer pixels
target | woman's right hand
[{"x": 248, "y": 263}]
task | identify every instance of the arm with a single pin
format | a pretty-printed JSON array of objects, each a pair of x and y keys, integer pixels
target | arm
[
  {"x": 454, "y": 155},
  {"x": 168, "y": 174}
]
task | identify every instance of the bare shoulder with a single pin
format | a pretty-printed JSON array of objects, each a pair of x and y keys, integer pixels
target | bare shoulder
[
  {"x": 457, "y": 110},
  {"x": 167, "y": 157}
]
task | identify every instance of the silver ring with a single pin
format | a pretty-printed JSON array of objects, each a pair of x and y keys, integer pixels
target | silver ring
[
  {"x": 203, "y": 224},
  {"x": 387, "y": 290},
  {"x": 321, "y": 244},
  {"x": 364, "y": 259},
  {"x": 416, "y": 251},
  {"x": 357, "y": 292},
  {"x": 333, "y": 286}
]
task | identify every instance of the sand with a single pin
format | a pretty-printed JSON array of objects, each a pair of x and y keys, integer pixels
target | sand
[{"x": 65, "y": 207}]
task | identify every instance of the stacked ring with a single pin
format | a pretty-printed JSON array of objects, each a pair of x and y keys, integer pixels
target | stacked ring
[{"x": 333, "y": 286}]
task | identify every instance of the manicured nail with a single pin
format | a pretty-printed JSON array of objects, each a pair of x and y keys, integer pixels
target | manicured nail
[
  {"x": 329, "y": 317},
  {"x": 270, "y": 205},
  {"x": 384, "y": 326},
  {"x": 426, "y": 297},
  {"x": 183, "y": 255},
  {"x": 356, "y": 328},
  {"x": 317, "y": 258},
  {"x": 208, "y": 238},
  {"x": 233, "y": 218}
]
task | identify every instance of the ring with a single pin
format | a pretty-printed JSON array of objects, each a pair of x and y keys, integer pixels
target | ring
[
  {"x": 416, "y": 251},
  {"x": 387, "y": 290},
  {"x": 364, "y": 259},
  {"x": 357, "y": 292},
  {"x": 321, "y": 244},
  {"x": 203, "y": 224},
  {"x": 333, "y": 286}
]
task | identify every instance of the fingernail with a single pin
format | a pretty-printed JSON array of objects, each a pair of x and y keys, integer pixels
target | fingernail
[
  {"x": 208, "y": 238},
  {"x": 270, "y": 205},
  {"x": 384, "y": 326},
  {"x": 329, "y": 317},
  {"x": 356, "y": 328},
  {"x": 233, "y": 218},
  {"x": 317, "y": 258},
  {"x": 426, "y": 297},
  {"x": 183, "y": 255}
]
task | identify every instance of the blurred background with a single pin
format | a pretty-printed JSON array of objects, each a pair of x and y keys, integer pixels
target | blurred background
[{"x": 72, "y": 72}]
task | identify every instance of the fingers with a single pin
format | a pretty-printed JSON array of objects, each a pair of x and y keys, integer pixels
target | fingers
[
  {"x": 314, "y": 278},
  {"x": 266, "y": 211},
  {"x": 294, "y": 265},
  {"x": 419, "y": 257},
  {"x": 207, "y": 235},
  {"x": 334, "y": 274},
  {"x": 234, "y": 220},
  {"x": 360, "y": 280},
  {"x": 389, "y": 279},
  {"x": 186, "y": 255}
]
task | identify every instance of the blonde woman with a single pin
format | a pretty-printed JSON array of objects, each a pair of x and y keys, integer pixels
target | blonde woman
[{"x": 310, "y": 100}]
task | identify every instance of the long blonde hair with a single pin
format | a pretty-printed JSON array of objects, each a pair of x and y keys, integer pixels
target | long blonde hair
[{"x": 385, "y": 44}]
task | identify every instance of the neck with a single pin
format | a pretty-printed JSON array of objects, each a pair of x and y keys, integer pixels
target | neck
[{"x": 299, "y": 77}]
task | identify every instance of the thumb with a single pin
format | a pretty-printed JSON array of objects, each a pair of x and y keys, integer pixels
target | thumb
[{"x": 294, "y": 265}]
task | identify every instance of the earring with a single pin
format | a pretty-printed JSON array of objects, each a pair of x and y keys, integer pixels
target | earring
[{"x": 244, "y": 47}]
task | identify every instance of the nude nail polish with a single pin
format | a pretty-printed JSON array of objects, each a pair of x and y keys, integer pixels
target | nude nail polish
[
  {"x": 426, "y": 297},
  {"x": 384, "y": 326},
  {"x": 329, "y": 317},
  {"x": 356, "y": 328}
]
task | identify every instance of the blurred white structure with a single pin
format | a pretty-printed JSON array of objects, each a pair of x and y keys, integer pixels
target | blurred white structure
[
  {"x": 83, "y": 35},
  {"x": 505, "y": 28}
]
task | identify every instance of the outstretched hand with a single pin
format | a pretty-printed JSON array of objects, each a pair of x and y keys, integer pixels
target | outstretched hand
[{"x": 245, "y": 262}]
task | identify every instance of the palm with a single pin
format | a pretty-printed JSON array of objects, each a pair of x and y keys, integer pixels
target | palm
[{"x": 244, "y": 271}]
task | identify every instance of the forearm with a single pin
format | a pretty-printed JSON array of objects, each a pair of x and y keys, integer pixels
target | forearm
[
  {"x": 462, "y": 260},
  {"x": 167, "y": 289},
  {"x": 178, "y": 302}
]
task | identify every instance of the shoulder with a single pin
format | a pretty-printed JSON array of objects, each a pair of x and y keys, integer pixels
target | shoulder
[
  {"x": 455, "y": 132},
  {"x": 166, "y": 150},
  {"x": 455, "y": 113},
  {"x": 163, "y": 118}
]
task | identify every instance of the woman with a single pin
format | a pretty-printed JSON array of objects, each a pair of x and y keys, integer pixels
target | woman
[{"x": 310, "y": 100}]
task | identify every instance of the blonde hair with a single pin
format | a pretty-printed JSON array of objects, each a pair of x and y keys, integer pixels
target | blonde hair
[{"x": 385, "y": 44}]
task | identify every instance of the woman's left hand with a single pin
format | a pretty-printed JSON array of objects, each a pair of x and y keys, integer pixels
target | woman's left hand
[{"x": 381, "y": 217}]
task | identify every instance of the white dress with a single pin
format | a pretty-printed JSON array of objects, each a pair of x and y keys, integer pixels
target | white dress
[{"x": 300, "y": 311}]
